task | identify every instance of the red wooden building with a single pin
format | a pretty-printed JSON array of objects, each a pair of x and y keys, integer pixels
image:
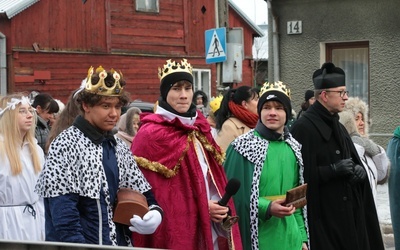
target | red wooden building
[{"x": 49, "y": 45}]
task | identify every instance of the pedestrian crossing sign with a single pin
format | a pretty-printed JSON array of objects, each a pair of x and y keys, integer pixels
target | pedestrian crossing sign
[{"x": 215, "y": 45}]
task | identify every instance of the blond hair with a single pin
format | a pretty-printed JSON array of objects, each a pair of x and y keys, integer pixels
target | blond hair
[{"x": 11, "y": 144}]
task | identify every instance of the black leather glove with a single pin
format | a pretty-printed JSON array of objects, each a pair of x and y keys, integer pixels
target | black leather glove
[
  {"x": 359, "y": 174},
  {"x": 343, "y": 167}
]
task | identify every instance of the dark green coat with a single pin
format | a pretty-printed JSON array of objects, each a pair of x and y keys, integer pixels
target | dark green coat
[{"x": 393, "y": 152}]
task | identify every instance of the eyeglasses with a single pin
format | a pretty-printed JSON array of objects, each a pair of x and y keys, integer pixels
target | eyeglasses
[
  {"x": 342, "y": 93},
  {"x": 24, "y": 112}
]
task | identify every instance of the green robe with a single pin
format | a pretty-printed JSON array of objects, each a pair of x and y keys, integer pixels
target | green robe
[
  {"x": 393, "y": 152},
  {"x": 263, "y": 176}
]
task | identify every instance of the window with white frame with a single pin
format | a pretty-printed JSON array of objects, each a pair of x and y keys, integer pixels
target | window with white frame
[
  {"x": 202, "y": 81},
  {"x": 353, "y": 58},
  {"x": 147, "y": 6}
]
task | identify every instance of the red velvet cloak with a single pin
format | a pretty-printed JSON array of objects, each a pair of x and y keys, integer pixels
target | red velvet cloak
[{"x": 166, "y": 154}]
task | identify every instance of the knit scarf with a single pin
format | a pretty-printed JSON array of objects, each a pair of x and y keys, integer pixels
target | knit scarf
[
  {"x": 248, "y": 118},
  {"x": 333, "y": 121},
  {"x": 270, "y": 134}
]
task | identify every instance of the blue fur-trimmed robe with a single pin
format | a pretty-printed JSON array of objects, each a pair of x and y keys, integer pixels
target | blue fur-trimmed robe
[{"x": 74, "y": 170}]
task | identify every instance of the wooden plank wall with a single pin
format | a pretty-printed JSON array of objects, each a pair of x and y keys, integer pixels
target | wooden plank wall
[
  {"x": 73, "y": 36},
  {"x": 68, "y": 70},
  {"x": 73, "y": 26},
  {"x": 147, "y": 32},
  {"x": 62, "y": 25}
]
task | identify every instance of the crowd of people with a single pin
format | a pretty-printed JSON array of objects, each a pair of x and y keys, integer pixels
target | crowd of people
[{"x": 64, "y": 168}]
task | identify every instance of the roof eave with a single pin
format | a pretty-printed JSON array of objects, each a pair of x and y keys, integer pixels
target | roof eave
[
  {"x": 11, "y": 7},
  {"x": 254, "y": 26}
]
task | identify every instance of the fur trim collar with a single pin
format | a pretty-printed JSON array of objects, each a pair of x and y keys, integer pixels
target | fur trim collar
[{"x": 356, "y": 105}]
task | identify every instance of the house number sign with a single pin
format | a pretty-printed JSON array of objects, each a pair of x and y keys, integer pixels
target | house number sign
[{"x": 294, "y": 28}]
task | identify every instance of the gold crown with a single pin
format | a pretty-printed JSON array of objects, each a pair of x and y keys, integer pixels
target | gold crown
[
  {"x": 100, "y": 88},
  {"x": 215, "y": 103},
  {"x": 277, "y": 86},
  {"x": 173, "y": 67}
]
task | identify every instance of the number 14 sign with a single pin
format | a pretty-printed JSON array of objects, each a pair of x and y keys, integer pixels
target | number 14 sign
[{"x": 294, "y": 27}]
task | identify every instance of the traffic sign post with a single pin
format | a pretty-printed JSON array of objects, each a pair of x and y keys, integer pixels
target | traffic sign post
[{"x": 215, "y": 41}]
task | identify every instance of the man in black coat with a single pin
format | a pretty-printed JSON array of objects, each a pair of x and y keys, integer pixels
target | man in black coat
[{"x": 341, "y": 210}]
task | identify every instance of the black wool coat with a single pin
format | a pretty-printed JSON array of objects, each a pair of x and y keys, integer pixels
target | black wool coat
[{"x": 341, "y": 214}]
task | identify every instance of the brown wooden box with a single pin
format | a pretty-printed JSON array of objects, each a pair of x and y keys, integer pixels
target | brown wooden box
[{"x": 129, "y": 202}]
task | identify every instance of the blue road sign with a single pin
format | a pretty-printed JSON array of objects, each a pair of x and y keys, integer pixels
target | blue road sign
[{"x": 215, "y": 45}]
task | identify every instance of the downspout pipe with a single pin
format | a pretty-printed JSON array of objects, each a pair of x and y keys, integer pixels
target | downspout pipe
[
  {"x": 3, "y": 65},
  {"x": 275, "y": 42}
]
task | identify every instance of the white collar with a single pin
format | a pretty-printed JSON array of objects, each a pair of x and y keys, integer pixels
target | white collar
[{"x": 170, "y": 116}]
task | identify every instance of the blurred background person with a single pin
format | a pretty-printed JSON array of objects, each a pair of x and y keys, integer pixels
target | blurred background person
[
  {"x": 200, "y": 99},
  {"x": 236, "y": 115},
  {"x": 65, "y": 118},
  {"x": 292, "y": 119},
  {"x": 355, "y": 119},
  {"x": 21, "y": 160},
  {"x": 309, "y": 100},
  {"x": 45, "y": 107},
  {"x": 128, "y": 125},
  {"x": 53, "y": 118},
  {"x": 215, "y": 103}
]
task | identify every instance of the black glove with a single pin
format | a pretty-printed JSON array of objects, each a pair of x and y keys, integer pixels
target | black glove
[
  {"x": 343, "y": 167},
  {"x": 359, "y": 174}
]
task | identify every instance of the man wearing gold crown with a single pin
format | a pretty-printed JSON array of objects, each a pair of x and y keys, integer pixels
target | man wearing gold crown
[
  {"x": 268, "y": 162},
  {"x": 340, "y": 204},
  {"x": 87, "y": 165},
  {"x": 180, "y": 159}
]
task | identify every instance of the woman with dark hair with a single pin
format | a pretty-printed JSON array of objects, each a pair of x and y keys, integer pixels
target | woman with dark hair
[
  {"x": 236, "y": 115},
  {"x": 128, "y": 125},
  {"x": 65, "y": 118},
  {"x": 200, "y": 99},
  {"x": 45, "y": 107},
  {"x": 309, "y": 100}
]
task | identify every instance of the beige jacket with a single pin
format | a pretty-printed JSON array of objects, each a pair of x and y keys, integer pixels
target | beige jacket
[{"x": 231, "y": 129}]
